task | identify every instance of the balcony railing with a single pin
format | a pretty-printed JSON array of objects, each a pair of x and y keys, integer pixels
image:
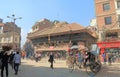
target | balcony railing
[{"x": 58, "y": 47}]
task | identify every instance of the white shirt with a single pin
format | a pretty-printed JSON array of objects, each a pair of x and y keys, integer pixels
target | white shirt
[{"x": 17, "y": 58}]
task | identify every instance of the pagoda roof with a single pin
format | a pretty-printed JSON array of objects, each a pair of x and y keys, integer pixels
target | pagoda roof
[{"x": 60, "y": 29}]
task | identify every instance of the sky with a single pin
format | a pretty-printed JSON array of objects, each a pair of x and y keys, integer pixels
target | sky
[{"x": 31, "y": 11}]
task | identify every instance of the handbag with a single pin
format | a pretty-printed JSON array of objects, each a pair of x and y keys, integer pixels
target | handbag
[{"x": 48, "y": 60}]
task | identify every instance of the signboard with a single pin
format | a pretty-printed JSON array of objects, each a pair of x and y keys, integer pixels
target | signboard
[
  {"x": 109, "y": 44},
  {"x": 51, "y": 47},
  {"x": 94, "y": 47}
]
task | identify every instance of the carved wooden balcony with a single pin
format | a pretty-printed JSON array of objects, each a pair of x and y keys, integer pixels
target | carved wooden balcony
[{"x": 112, "y": 39}]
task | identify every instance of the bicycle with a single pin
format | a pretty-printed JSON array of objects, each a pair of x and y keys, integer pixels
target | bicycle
[
  {"x": 93, "y": 67},
  {"x": 72, "y": 62}
]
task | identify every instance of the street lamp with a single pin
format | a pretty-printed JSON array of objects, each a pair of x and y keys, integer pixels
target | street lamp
[{"x": 14, "y": 19}]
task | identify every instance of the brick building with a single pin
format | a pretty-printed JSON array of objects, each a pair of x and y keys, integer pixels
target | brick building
[
  {"x": 108, "y": 22},
  {"x": 10, "y": 34},
  {"x": 108, "y": 19}
]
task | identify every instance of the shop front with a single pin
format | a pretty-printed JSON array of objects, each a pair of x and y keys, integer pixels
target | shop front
[
  {"x": 110, "y": 48},
  {"x": 104, "y": 45}
]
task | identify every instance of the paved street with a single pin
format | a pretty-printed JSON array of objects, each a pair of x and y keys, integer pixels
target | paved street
[{"x": 41, "y": 69}]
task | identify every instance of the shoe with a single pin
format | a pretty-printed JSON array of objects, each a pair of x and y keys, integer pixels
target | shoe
[
  {"x": 52, "y": 67},
  {"x": 15, "y": 73}
]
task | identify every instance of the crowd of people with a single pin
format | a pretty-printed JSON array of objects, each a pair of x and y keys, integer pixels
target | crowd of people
[
  {"x": 108, "y": 57},
  {"x": 9, "y": 56}
]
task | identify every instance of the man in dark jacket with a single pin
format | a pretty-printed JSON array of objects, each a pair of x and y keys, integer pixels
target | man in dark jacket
[
  {"x": 4, "y": 56},
  {"x": 51, "y": 59}
]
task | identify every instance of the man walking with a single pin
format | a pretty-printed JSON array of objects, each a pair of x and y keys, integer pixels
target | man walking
[
  {"x": 17, "y": 61},
  {"x": 4, "y": 56},
  {"x": 51, "y": 59}
]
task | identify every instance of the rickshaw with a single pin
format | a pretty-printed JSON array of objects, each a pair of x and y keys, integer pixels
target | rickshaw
[
  {"x": 71, "y": 60},
  {"x": 92, "y": 67}
]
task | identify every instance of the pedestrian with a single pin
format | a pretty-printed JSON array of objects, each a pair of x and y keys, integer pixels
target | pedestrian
[
  {"x": 17, "y": 62},
  {"x": 11, "y": 62},
  {"x": 51, "y": 59},
  {"x": 110, "y": 58},
  {"x": 36, "y": 57},
  {"x": 4, "y": 56},
  {"x": 87, "y": 56},
  {"x": 104, "y": 57},
  {"x": 23, "y": 54}
]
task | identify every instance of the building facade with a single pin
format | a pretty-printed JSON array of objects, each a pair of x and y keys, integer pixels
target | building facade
[
  {"x": 41, "y": 24},
  {"x": 108, "y": 19},
  {"x": 10, "y": 34}
]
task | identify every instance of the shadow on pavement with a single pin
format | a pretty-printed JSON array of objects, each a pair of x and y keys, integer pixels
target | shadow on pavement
[{"x": 109, "y": 71}]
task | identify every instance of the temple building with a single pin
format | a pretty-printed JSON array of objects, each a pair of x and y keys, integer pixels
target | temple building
[{"x": 59, "y": 36}]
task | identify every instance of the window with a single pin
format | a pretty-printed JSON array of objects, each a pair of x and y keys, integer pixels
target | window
[
  {"x": 108, "y": 20},
  {"x": 118, "y": 18},
  {"x": 16, "y": 39},
  {"x": 113, "y": 34},
  {"x": 5, "y": 39},
  {"x": 106, "y": 6},
  {"x": 118, "y": 4},
  {"x": 9, "y": 39}
]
